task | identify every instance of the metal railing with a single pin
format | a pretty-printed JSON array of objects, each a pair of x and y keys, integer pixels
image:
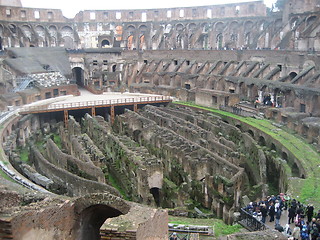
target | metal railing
[
  {"x": 97, "y": 103},
  {"x": 250, "y": 222}
]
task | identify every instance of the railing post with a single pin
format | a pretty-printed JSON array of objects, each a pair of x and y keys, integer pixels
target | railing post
[
  {"x": 66, "y": 117},
  {"x": 93, "y": 111},
  {"x": 135, "y": 107},
  {"x": 112, "y": 114}
]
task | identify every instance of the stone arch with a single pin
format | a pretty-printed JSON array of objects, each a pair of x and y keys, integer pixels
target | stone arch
[
  {"x": 234, "y": 26},
  {"x": 219, "y": 26},
  {"x": 53, "y": 31},
  {"x": 205, "y": 27},
  {"x": 310, "y": 20},
  {"x": 273, "y": 147},
  {"x": 92, "y": 218},
  {"x": 68, "y": 42},
  {"x": 105, "y": 43},
  {"x": 248, "y": 25},
  {"x": 179, "y": 27},
  {"x": 292, "y": 75},
  {"x": 262, "y": 141},
  {"x": 13, "y": 28},
  {"x": 251, "y": 133},
  {"x": 26, "y": 29},
  {"x": 143, "y": 29},
  {"x": 192, "y": 27},
  {"x": 219, "y": 41},
  {"x": 91, "y": 211},
  {"x": 284, "y": 155},
  {"x": 130, "y": 30},
  {"x": 40, "y": 30},
  {"x": 78, "y": 76},
  {"x": 239, "y": 127}
]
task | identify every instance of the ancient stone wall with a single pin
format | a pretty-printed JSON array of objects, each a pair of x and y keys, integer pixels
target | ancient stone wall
[
  {"x": 71, "y": 184},
  {"x": 130, "y": 164},
  {"x": 72, "y": 164},
  {"x": 185, "y": 163}
]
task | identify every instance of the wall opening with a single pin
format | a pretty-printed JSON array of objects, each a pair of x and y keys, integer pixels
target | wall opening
[
  {"x": 105, "y": 43},
  {"x": 156, "y": 195},
  {"x": 187, "y": 86},
  {"x": 78, "y": 76},
  {"x": 92, "y": 218},
  {"x": 251, "y": 133},
  {"x": 292, "y": 75},
  {"x": 262, "y": 141}
]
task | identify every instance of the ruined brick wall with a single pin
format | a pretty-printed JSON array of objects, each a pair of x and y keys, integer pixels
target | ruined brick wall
[
  {"x": 73, "y": 185},
  {"x": 68, "y": 162}
]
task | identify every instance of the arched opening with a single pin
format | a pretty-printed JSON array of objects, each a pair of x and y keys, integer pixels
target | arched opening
[
  {"x": 251, "y": 133},
  {"x": 105, "y": 43},
  {"x": 92, "y": 218},
  {"x": 136, "y": 135},
  {"x": 156, "y": 195},
  {"x": 239, "y": 127},
  {"x": 262, "y": 141},
  {"x": 219, "y": 41},
  {"x": 285, "y": 156},
  {"x": 273, "y": 147},
  {"x": 292, "y": 75},
  {"x": 114, "y": 68},
  {"x": 311, "y": 20},
  {"x": 295, "y": 170},
  {"x": 78, "y": 76}
]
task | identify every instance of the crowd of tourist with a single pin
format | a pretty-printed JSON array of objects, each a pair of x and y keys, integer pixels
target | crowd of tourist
[{"x": 306, "y": 221}]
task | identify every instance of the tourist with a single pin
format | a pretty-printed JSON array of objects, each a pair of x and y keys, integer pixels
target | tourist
[
  {"x": 314, "y": 232},
  {"x": 291, "y": 214},
  {"x": 296, "y": 232},
  {"x": 174, "y": 236},
  {"x": 278, "y": 216},
  {"x": 309, "y": 212},
  {"x": 271, "y": 212},
  {"x": 264, "y": 213}
]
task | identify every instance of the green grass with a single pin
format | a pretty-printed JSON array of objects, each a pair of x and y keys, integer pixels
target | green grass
[
  {"x": 57, "y": 140},
  {"x": 305, "y": 190},
  {"x": 114, "y": 184},
  {"x": 219, "y": 227},
  {"x": 5, "y": 176},
  {"x": 24, "y": 155}
]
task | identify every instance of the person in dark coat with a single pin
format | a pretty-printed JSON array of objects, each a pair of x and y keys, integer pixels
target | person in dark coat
[
  {"x": 291, "y": 214},
  {"x": 310, "y": 210},
  {"x": 271, "y": 212},
  {"x": 264, "y": 213}
]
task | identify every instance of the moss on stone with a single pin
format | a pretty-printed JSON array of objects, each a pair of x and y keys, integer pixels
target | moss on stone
[{"x": 306, "y": 190}]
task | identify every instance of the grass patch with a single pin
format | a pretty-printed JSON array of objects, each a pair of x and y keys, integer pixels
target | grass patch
[
  {"x": 24, "y": 155},
  {"x": 5, "y": 176},
  {"x": 219, "y": 227},
  {"x": 114, "y": 184},
  {"x": 305, "y": 190},
  {"x": 57, "y": 140}
]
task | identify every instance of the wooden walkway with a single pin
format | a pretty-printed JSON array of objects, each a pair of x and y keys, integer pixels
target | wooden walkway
[{"x": 93, "y": 105}]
